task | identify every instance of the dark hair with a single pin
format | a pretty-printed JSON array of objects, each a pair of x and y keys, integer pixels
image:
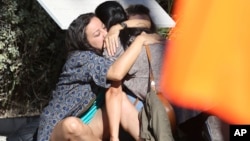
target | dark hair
[
  {"x": 139, "y": 9},
  {"x": 76, "y": 37},
  {"x": 127, "y": 35},
  {"x": 110, "y": 13}
]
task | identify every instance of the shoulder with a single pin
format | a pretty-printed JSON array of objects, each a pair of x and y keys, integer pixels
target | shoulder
[
  {"x": 77, "y": 58},
  {"x": 119, "y": 52},
  {"x": 80, "y": 54},
  {"x": 158, "y": 47}
]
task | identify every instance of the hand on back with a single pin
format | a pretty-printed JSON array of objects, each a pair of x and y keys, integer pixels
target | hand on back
[{"x": 150, "y": 38}]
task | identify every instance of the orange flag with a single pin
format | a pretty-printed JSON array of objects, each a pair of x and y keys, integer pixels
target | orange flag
[{"x": 207, "y": 64}]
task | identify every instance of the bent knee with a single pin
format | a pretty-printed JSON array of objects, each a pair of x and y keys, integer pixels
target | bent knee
[
  {"x": 70, "y": 128},
  {"x": 72, "y": 125}
]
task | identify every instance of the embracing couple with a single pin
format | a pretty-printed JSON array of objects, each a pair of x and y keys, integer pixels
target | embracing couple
[{"x": 105, "y": 79}]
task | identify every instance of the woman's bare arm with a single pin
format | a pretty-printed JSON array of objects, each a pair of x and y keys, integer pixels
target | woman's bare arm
[
  {"x": 112, "y": 38},
  {"x": 122, "y": 65}
]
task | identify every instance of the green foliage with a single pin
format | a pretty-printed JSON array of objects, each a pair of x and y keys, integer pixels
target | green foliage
[
  {"x": 163, "y": 32},
  {"x": 10, "y": 61},
  {"x": 31, "y": 55},
  {"x": 167, "y": 6}
]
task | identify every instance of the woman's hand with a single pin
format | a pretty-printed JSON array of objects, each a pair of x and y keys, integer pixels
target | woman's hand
[
  {"x": 112, "y": 39},
  {"x": 150, "y": 38}
]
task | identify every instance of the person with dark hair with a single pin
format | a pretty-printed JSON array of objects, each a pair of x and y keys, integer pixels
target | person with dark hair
[
  {"x": 117, "y": 22},
  {"x": 105, "y": 9},
  {"x": 112, "y": 14},
  {"x": 184, "y": 117},
  {"x": 136, "y": 82},
  {"x": 76, "y": 111},
  {"x": 139, "y": 11}
]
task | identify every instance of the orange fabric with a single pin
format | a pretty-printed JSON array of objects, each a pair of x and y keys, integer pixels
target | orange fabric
[{"x": 207, "y": 64}]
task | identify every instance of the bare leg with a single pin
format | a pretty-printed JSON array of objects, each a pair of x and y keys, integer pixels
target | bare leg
[
  {"x": 73, "y": 129},
  {"x": 129, "y": 118},
  {"x": 113, "y": 105}
]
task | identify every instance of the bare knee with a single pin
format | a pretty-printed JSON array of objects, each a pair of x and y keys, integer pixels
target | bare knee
[
  {"x": 72, "y": 129},
  {"x": 74, "y": 126}
]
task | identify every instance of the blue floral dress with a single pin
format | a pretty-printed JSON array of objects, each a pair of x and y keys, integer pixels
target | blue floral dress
[{"x": 83, "y": 76}]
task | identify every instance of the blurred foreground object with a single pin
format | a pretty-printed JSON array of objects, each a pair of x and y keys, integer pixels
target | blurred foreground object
[{"x": 207, "y": 64}]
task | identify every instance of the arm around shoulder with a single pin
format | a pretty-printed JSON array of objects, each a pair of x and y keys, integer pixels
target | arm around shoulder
[{"x": 122, "y": 65}]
